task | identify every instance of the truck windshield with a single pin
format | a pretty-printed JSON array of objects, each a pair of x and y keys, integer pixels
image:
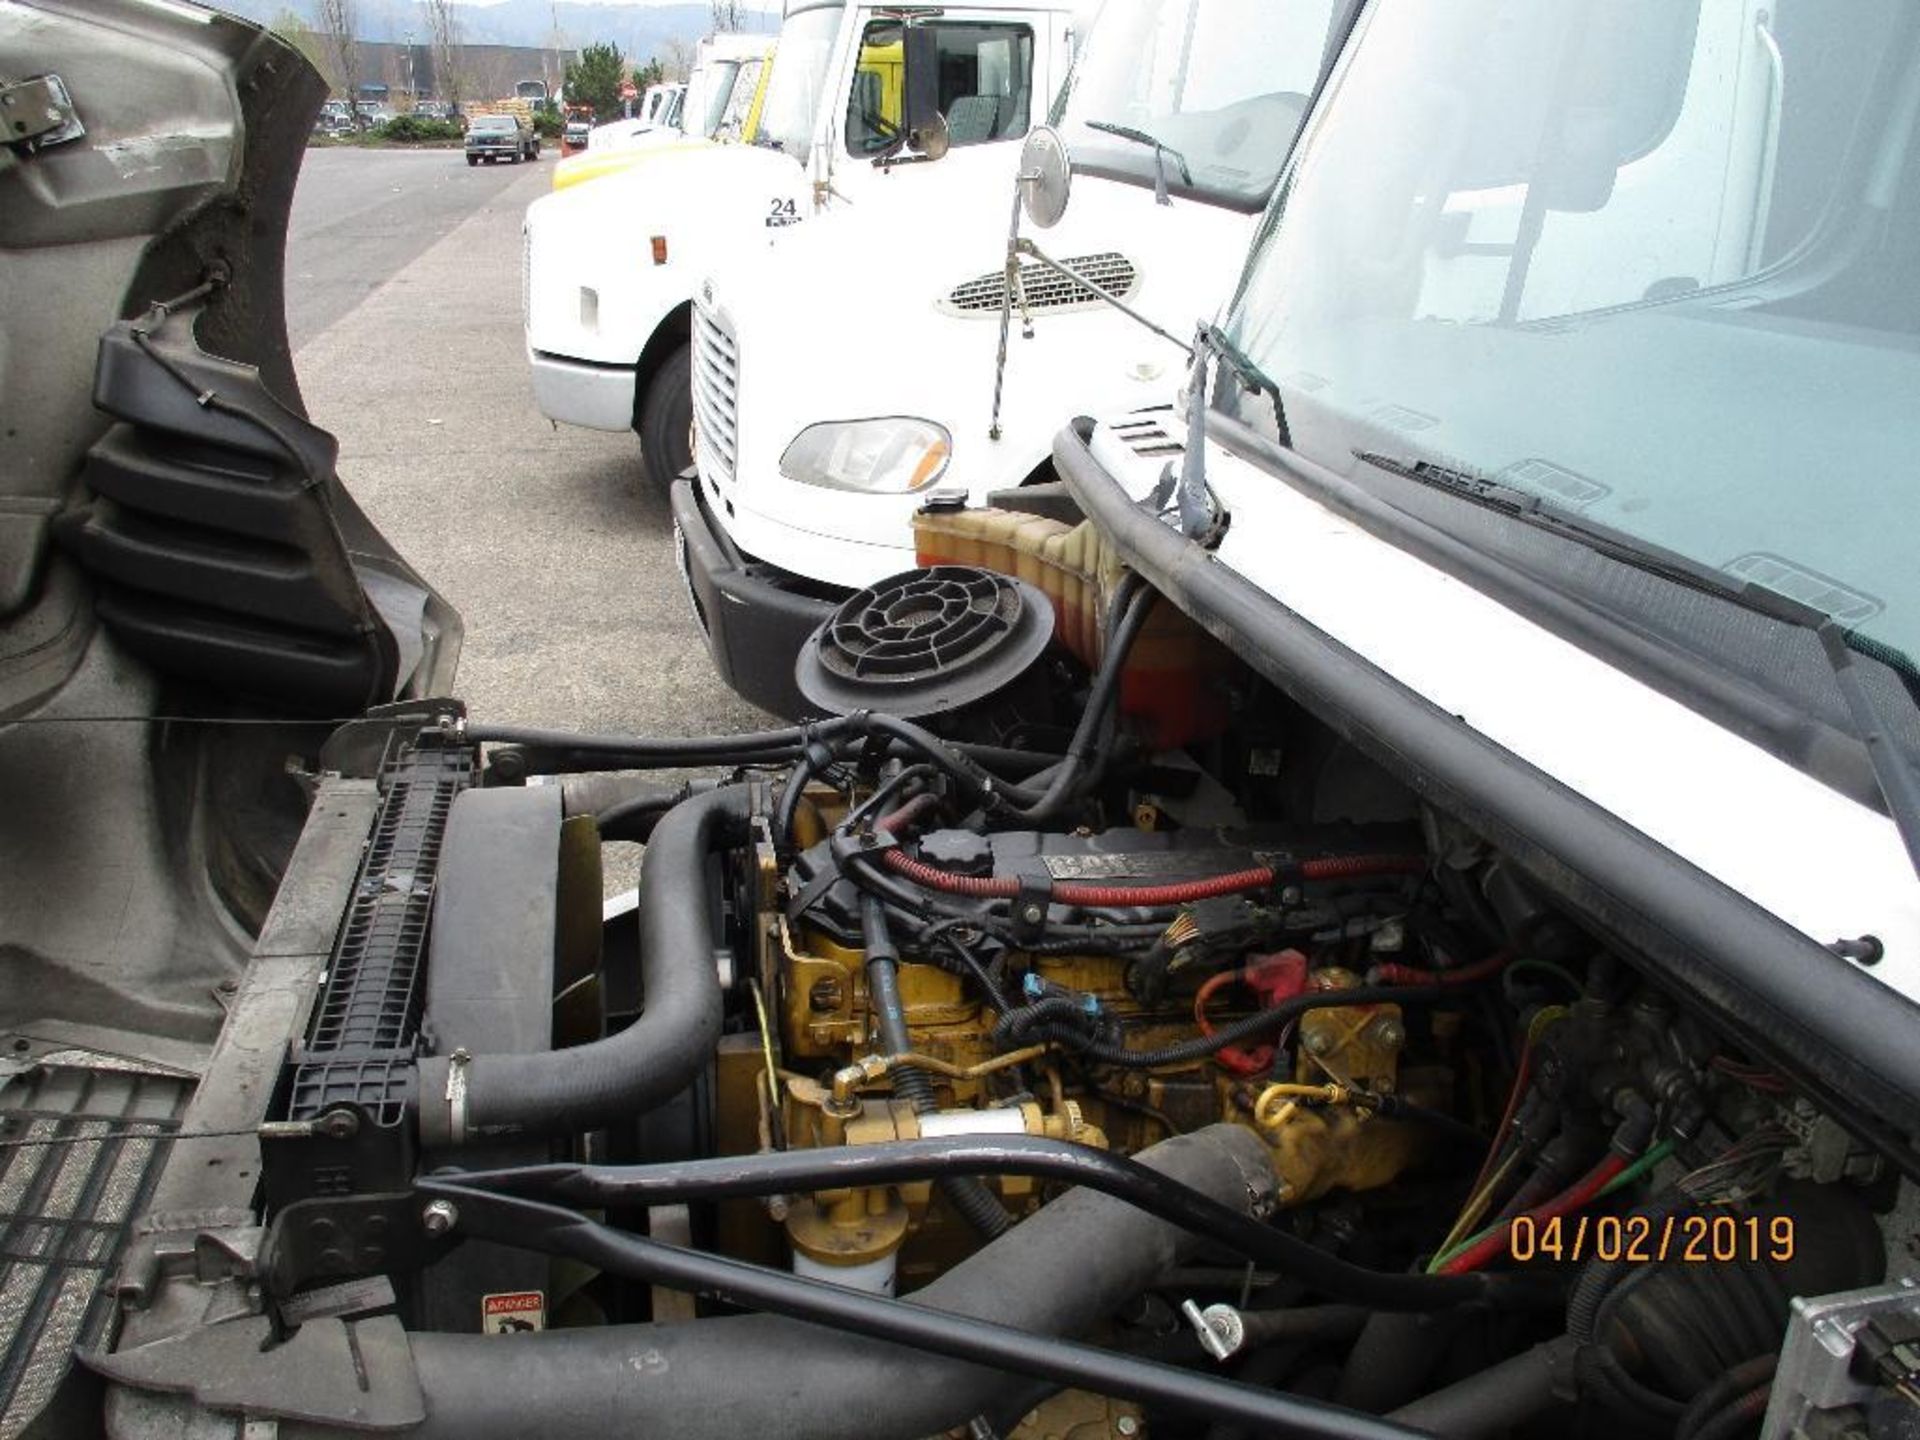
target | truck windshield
[
  {"x": 1222, "y": 84},
  {"x": 710, "y": 89},
  {"x": 1652, "y": 261},
  {"x": 793, "y": 94}
]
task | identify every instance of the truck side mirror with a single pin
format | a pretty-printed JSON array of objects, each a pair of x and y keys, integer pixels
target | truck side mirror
[{"x": 927, "y": 132}]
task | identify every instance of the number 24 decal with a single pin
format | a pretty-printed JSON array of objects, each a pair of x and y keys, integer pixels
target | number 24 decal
[{"x": 784, "y": 212}]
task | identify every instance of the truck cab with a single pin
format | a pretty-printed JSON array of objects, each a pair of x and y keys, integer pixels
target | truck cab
[
  {"x": 720, "y": 102},
  {"x": 612, "y": 269},
  {"x": 812, "y": 459}
]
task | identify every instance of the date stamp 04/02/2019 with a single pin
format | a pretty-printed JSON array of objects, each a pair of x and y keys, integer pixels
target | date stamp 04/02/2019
[{"x": 1640, "y": 1239}]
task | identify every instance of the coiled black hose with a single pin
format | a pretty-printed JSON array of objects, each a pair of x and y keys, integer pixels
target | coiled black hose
[
  {"x": 1725, "y": 1393},
  {"x": 967, "y": 1194}
]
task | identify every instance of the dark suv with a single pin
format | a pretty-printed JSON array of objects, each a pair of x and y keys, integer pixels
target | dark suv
[{"x": 500, "y": 137}]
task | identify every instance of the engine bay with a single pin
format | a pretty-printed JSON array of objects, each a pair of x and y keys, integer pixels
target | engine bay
[{"x": 1106, "y": 1046}]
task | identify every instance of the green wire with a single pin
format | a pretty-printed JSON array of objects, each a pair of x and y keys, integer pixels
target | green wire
[{"x": 1626, "y": 1177}]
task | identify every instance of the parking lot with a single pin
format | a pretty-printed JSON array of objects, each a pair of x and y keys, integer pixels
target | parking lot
[{"x": 403, "y": 294}]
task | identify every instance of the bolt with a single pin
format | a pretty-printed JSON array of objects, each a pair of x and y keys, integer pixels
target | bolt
[
  {"x": 1389, "y": 1032},
  {"x": 1033, "y": 914},
  {"x": 339, "y": 1125},
  {"x": 825, "y": 996},
  {"x": 439, "y": 1218},
  {"x": 1319, "y": 1042},
  {"x": 1126, "y": 1425}
]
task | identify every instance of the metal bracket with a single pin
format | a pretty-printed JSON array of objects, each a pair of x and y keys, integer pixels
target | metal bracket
[{"x": 38, "y": 112}]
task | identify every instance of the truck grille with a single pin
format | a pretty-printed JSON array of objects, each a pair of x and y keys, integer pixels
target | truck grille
[
  {"x": 1047, "y": 289},
  {"x": 716, "y": 391}
]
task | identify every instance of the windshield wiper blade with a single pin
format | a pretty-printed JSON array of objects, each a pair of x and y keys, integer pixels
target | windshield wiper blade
[
  {"x": 1160, "y": 149},
  {"x": 1894, "y": 774}
]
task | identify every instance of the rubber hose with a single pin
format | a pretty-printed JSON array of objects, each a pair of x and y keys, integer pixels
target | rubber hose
[
  {"x": 1599, "y": 1276},
  {"x": 1743, "y": 1413},
  {"x": 968, "y": 1195},
  {"x": 588, "y": 1087},
  {"x": 1493, "y": 1400},
  {"x": 1724, "y": 1391},
  {"x": 1059, "y": 1272},
  {"x": 900, "y": 1162}
]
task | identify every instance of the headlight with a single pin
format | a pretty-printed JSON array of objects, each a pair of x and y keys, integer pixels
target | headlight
[{"x": 894, "y": 456}]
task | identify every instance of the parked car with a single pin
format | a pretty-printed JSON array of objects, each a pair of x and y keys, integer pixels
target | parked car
[
  {"x": 575, "y": 134},
  {"x": 500, "y": 137},
  {"x": 1381, "y": 906}
]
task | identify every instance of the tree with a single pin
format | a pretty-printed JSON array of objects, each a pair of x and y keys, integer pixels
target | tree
[
  {"x": 726, "y": 14},
  {"x": 594, "y": 79},
  {"x": 338, "y": 22},
  {"x": 291, "y": 28},
  {"x": 676, "y": 59},
  {"x": 649, "y": 74},
  {"x": 444, "y": 27}
]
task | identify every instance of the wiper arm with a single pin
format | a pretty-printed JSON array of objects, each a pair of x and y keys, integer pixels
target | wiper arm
[
  {"x": 1160, "y": 150},
  {"x": 1893, "y": 771},
  {"x": 1894, "y": 774}
]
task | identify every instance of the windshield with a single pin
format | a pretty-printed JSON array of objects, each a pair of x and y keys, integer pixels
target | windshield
[
  {"x": 494, "y": 122},
  {"x": 1222, "y": 82},
  {"x": 1651, "y": 260},
  {"x": 793, "y": 94},
  {"x": 733, "y": 121},
  {"x": 711, "y": 88}
]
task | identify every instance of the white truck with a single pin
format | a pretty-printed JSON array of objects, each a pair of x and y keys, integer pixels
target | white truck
[
  {"x": 826, "y": 420},
  {"x": 861, "y": 95}
]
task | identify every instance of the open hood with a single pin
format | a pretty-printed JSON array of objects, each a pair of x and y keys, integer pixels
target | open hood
[
  {"x": 158, "y": 474},
  {"x": 190, "y": 602}
]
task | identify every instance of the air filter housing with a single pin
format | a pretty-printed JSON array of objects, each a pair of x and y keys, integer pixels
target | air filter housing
[{"x": 925, "y": 642}]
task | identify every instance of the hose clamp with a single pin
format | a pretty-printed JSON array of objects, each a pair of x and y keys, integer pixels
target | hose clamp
[{"x": 456, "y": 1094}]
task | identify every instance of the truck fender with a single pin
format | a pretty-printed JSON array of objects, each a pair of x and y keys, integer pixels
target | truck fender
[{"x": 674, "y": 330}]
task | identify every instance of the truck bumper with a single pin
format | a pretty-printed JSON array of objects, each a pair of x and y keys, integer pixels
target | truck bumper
[
  {"x": 575, "y": 392},
  {"x": 755, "y": 617}
]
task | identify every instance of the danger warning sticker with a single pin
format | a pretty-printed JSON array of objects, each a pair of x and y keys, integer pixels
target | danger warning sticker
[{"x": 513, "y": 1311}]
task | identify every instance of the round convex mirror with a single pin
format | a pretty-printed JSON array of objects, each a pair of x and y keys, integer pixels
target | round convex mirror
[
  {"x": 933, "y": 139},
  {"x": 1046, "y": 176}
]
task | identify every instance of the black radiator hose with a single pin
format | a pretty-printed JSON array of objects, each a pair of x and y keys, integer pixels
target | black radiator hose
[
  {"x": 1059, "y": 1272},
  {"x": 588, "y": 1087}
]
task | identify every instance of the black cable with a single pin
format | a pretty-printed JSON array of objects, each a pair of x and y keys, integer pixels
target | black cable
[
  {"x": 1087, "y": 751},
  {"x": 906, "y": 1161},
  {"x": 1725, "y": 1390},
  {"x": 1743, "y": 1412},
  {"x": 525, "y": 1224},
  {"x": 970, "y": 1198},
  {"x": 1396, "y": 1107},
  {"x": 1260, "y": 1023},
  {"x": 797, "y": 779}
]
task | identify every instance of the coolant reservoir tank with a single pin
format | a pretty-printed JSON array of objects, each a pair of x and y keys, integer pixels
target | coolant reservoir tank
[{"x": 1172, "y": 686}]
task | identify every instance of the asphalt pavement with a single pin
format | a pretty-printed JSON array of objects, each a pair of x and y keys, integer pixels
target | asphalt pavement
[
  {"x": 549, "y": 542},
  {"x": 359, "y": 216}
]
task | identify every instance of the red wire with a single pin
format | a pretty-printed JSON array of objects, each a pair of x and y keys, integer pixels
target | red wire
[
  {"x": 1522, "y": 1073},
  {"x": 1574, "y": 1197},
  {"x": 1464, "y": 975},
  {"x": 1005, "y": 887}
]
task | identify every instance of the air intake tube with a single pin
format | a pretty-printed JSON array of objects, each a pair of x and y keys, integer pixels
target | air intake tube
[
  {"x": 591, "y": 1086},
  {"x": 1058, "y": 1272}
]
